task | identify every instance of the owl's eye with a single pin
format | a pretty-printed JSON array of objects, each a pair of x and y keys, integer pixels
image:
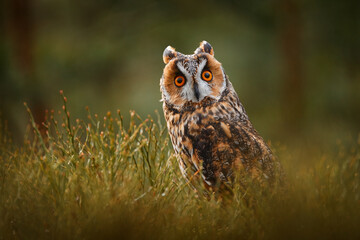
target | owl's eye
[
  {"x": 207, "y": 75},
  {"x": 179, "y": 81}
]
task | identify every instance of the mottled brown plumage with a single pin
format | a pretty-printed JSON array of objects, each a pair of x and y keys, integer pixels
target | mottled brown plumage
[{"x": 209, "y": 128}]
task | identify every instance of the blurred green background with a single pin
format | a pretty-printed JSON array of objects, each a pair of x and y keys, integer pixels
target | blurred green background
[{"x": 294, "y": 64}]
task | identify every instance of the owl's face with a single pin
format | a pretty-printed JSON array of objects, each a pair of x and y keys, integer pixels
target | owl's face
[{"x": 191, "y": 78}]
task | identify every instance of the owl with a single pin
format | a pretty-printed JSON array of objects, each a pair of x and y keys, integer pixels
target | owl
[{"x": 208, "y": 126}]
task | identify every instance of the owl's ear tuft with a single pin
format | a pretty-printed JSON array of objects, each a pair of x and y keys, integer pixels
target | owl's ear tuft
[
  {"x": 205, "y": 47},
  {"x": 169, "y": 53}
]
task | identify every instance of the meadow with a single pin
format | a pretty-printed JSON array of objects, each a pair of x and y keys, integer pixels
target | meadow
[{"x": 98, "y": 178}]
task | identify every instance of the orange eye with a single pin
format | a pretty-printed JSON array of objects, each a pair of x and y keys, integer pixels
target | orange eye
[
  {"x": 207, "y": 75},
  {"x": 179, "y": 81}
]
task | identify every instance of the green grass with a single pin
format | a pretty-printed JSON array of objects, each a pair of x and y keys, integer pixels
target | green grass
[{"x": 98, "y": 179}]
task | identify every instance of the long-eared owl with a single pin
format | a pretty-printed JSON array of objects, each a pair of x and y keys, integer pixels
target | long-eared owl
[{"x": 208, "y": 126}]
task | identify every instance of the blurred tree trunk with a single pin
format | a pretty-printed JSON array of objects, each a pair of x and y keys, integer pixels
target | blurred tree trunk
[
  {"x": 352, "y": 45},
  {"x": 290, "y": 29},
  {"x": 21, "y": 28}
]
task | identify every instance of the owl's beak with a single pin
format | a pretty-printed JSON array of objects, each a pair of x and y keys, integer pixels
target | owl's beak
[{"x": 196, "y": 91}]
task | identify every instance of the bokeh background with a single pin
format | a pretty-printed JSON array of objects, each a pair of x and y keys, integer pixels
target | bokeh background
[{"x": 294, "y": 64}]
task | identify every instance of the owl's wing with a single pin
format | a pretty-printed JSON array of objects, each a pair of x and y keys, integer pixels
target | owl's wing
[{"x": 221, "y": 146}]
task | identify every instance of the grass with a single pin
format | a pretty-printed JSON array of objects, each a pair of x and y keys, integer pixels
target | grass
[{"x": 97, "y": 179}]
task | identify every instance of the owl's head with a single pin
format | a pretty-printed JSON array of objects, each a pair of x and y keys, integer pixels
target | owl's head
[{"x": 191, "y": 78}]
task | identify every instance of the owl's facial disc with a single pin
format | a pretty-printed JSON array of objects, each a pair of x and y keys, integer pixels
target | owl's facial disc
[
  {"x": 191, "y": 78},
  {"x": 195, "y": 89}
]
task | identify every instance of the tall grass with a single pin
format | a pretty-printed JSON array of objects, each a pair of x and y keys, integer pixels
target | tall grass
[{"x": 99, "y": 179}]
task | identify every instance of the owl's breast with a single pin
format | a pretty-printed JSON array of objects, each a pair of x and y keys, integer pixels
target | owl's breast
[{"x": 216, "y": 139}]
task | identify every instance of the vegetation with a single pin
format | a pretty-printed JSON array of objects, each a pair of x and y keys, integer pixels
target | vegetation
[
  {"x": 294, "y": 63},
  {"x": 97, "y": 179}
]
